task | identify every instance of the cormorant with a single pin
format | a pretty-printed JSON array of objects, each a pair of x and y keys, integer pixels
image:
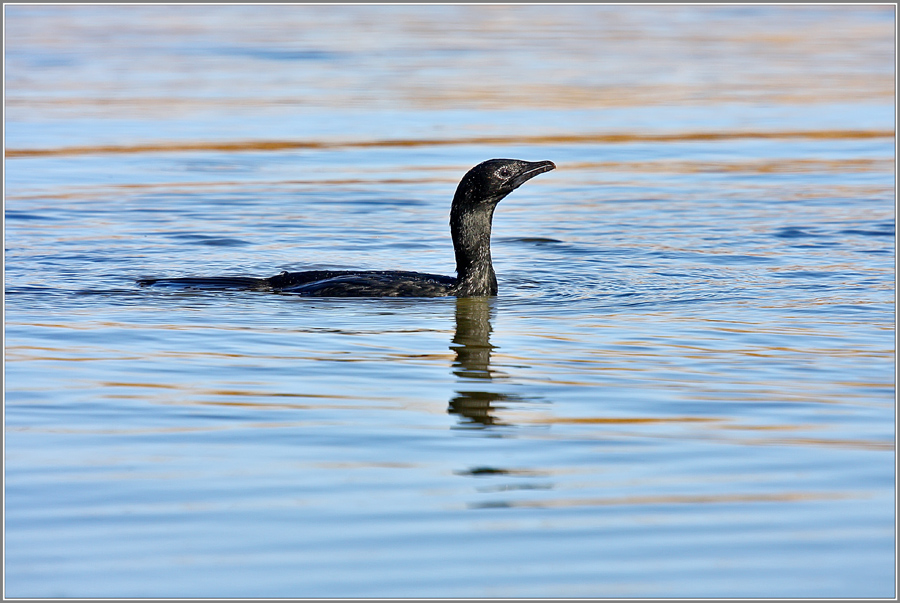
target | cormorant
[{"x": 471, "y": 214}]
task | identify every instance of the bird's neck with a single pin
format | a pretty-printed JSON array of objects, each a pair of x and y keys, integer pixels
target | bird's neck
[{"x": 471, "y": 232}]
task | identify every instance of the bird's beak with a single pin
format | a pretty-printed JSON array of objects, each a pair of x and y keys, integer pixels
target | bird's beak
[{"x": 532, "y": 169}]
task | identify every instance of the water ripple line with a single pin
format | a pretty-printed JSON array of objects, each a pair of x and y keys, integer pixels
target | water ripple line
[{"x": 598, "y": 138}]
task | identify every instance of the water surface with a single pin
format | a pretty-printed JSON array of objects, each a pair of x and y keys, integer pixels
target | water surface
[{"x": 684, "y": 389}]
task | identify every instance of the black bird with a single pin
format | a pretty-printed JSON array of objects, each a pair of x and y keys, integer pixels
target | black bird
[{"x": 470, "y": 227}]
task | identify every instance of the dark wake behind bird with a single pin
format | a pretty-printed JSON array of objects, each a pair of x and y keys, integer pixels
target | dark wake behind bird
[{"x": 471, "y": 216}]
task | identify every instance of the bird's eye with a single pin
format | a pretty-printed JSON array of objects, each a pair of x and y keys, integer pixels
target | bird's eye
[{"x": 504, "y": 173}]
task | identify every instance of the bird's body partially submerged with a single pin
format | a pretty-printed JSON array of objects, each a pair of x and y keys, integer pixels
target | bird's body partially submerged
[{"x": 471, "y": 216}]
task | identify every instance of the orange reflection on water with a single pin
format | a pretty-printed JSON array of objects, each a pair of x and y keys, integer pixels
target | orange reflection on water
[{"x": 281, "y": 145}]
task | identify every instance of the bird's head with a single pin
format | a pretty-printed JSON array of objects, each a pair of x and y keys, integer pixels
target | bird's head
[{"x": 490, "y": 181}]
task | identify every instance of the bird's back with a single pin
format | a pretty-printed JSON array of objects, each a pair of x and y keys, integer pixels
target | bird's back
[{"x": 374, "y": 283}]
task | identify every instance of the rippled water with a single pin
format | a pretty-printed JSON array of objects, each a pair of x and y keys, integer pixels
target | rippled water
[{"x": 685, "y": 387}]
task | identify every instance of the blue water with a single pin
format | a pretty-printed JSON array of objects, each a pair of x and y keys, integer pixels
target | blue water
[{"x": 685, "y": 387}]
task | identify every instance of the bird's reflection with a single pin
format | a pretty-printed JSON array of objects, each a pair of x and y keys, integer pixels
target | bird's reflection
[{"x": 472, "y": 344}]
